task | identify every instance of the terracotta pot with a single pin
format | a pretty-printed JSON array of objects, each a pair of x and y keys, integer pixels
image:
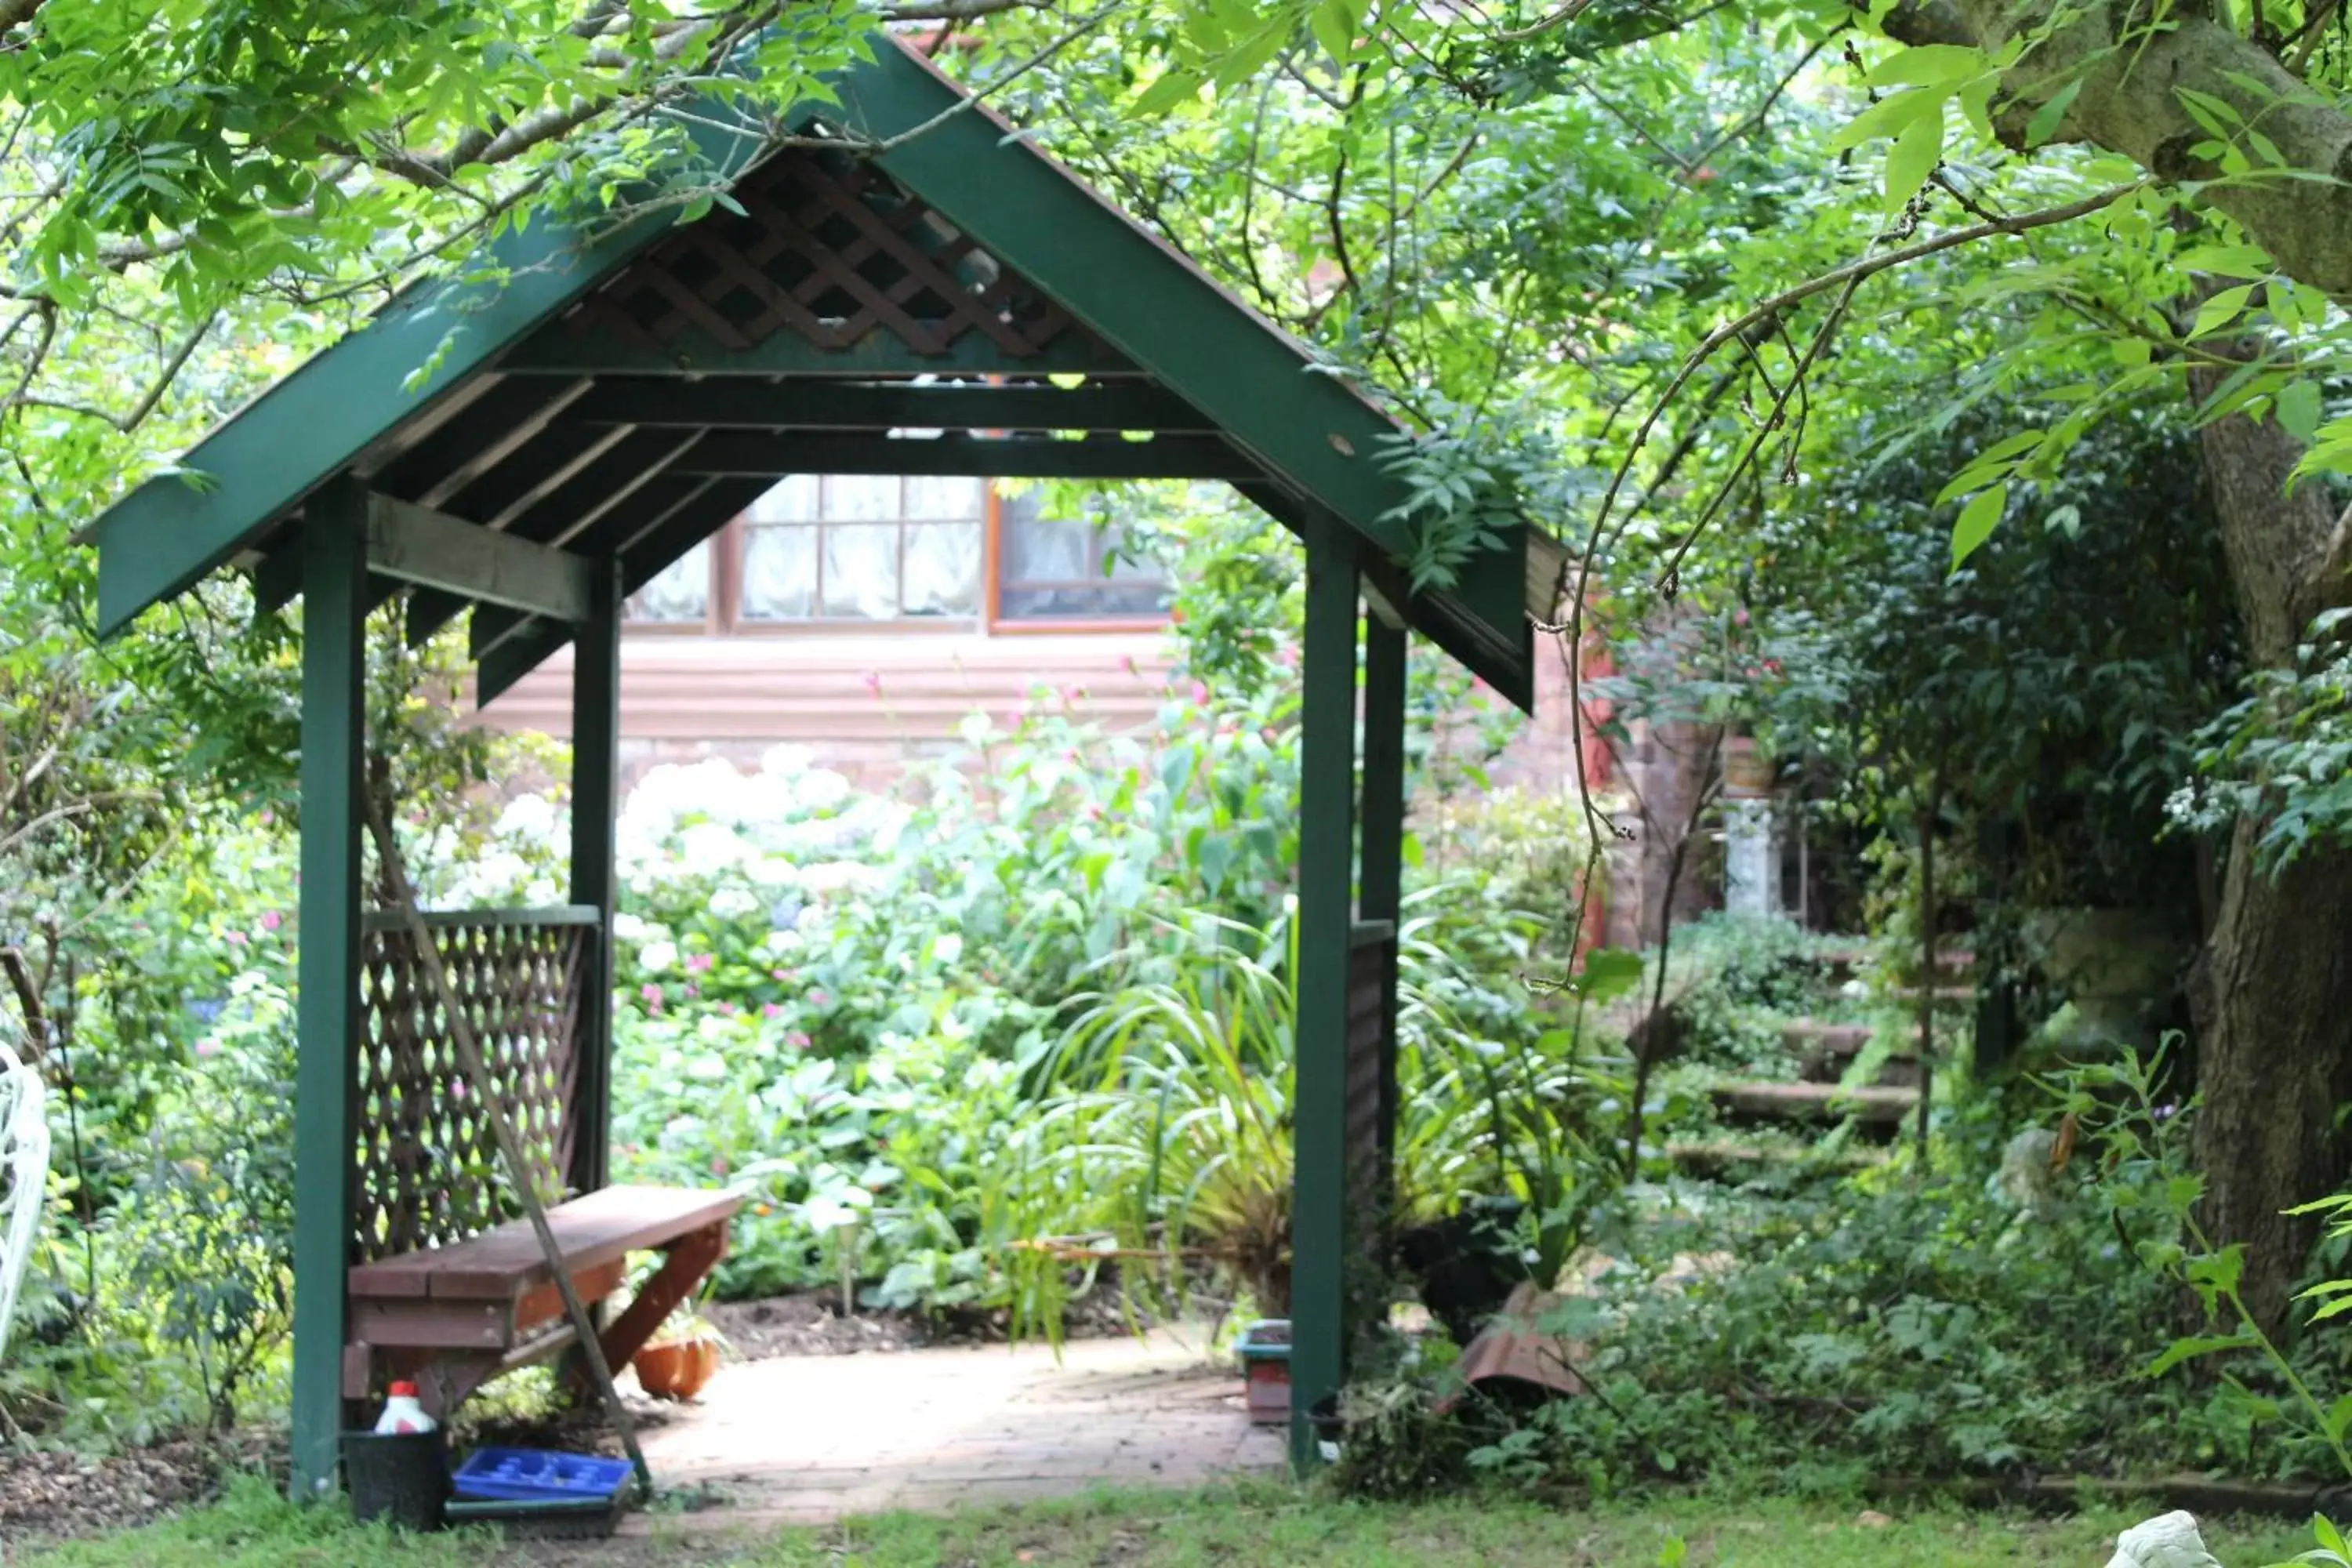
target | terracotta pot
[
  {"x": 1747, "y": 773},
  {"x": 676, "y": 1369}
]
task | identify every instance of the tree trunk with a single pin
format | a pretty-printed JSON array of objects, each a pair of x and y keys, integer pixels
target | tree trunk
[{"x": 2271, "y": 994}]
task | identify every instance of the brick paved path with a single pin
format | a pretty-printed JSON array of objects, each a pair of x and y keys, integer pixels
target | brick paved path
[{"x": 808, "y": 1440}]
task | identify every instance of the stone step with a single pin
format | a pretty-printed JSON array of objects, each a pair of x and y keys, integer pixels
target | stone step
[
  {"x": 1856, "y": 955},
  {"x": 1726, "y": 1157},
  {"x": 1881, "y": 1106},
  {"x": 1825, "y": 1050}
]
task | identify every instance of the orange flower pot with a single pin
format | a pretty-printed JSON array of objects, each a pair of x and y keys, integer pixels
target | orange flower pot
[{"x": 678, "y": 1369}]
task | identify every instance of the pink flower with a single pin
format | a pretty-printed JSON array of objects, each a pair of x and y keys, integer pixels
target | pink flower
[
  {"x": 727, "y": 1009},
  {"x": 818, "y": 999},
  {"x": 457, "y": 1089},
  {"x": 1199, "y": 694},
  {"x": 693, "y": 990},
  {"x": 1740, "y": 618},
  {"x": 797, "y": 1040},
  {"x": 1128, "y": 660},
  {"x": 236, "y": 938},
  {"x": 778, "y": 975},
  {"x": 699, "y": 962},
  {"x": 650, "y": 995},
  {"x": 207, "y": 1048},
  {"x": 1073, "y": 695},
  {"x": 874, "y": 682},
  {"x": 772, "y": 1010},
  {"x": 719, "y": 1165},
  {"x": 272, "y": 920}
]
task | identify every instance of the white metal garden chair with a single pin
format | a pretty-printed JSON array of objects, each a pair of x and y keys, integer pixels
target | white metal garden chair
[{"x": 24, "y": 1176}]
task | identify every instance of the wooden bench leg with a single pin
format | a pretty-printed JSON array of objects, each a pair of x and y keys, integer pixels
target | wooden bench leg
[{"x": 688, "y": 1260}]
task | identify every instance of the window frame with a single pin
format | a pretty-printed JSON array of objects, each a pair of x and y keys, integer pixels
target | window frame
[{"x": 723, "y": 608}]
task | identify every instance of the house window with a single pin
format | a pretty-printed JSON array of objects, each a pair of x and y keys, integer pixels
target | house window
[
  {"x": 1053, "y": 568},
  {"x": 681, "y": 596},
  {"x": 851, "y": 549},
  {"x": 864, "y": 548}
]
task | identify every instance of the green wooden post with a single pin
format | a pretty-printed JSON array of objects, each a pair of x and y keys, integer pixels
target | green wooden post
[
  {"x": 334, "y": 665},
  {"x": 1327, "y": 789},
  {"x": 1381, "y": 885},
  {"x": 595, "y": 803}
]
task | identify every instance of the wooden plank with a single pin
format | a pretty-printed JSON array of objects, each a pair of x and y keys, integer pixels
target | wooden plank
[
  {"x": 1327, "y": 791},
  {"x": 334, "y": 665},
  {"x": 595, "y": 811},
  {"x": 768, "y": 456},
  {"x": 591, "y": 1230},
  {"x": 471, "y": 1325},
  {"x": 416, "y": 544},
  {"x": 737, "y": 403},
  {"x": 438, "y": 920},
  {"x": 560, "y": 349}
]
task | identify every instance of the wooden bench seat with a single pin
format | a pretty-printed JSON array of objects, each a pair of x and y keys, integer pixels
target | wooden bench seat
[{"x": 451, "y": 1318}]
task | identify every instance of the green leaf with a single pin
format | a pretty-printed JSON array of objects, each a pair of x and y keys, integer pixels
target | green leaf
[
  {"x": 1334, "y": 23},
  {"x": 2221, "y": 311},
  {"x": 2044, "y": 126},
  {"x": 1914, "y": 156},
  {"x": 1977, "y": 521},
  {"x": 2300, "y": 410},
  {"x": 1171, "y": 89},
  {"x": 1889, "y": 117},
  {"x": 1928, "y": 65},
  {"x": 2199, "y": 1345}
]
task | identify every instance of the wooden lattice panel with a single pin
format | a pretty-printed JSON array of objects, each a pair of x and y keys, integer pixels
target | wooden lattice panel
[
  {"x": 829, "y": 247},
  {"x": 1370, "y": 1062},
  {"x": 427, "y": 1167}
]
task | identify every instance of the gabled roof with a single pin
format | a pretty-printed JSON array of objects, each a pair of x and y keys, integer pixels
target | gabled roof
[{"x": 619, "y": 392}]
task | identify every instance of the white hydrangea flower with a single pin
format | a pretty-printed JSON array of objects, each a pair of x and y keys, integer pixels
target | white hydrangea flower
[
  {"x": 628, "y": 928},
  {"x": 658, "y": 956},
  {"x": 732, "y": 903}
]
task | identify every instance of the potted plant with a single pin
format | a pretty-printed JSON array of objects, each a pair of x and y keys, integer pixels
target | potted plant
[
  {"x": 1747, "y": 772},
  {"x": 681, "y": 1359}
]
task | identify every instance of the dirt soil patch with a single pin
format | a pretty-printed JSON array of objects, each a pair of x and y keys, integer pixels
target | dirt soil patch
[{"x": 59, "y": 1494}]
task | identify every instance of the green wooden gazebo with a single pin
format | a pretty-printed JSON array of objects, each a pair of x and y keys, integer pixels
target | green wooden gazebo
[{"x": 955, "y": 304}]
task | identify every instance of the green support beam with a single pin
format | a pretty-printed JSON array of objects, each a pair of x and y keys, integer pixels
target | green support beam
[
  {"x": 595, "y": 810},
  {"x": 1327, "y": 791},
  {"x": 1380, "y": 881},
  {"x": 417, "y": 545},
  {"x": 884, "y": 406},
  {"x": 516, "y": 654},
  {"x": 334, "y": 662},
  {"x": 607, "y": 538},
  {"x": 559, "y": 349},
  {"x": 756, "y": 453},
  {"x": 611, "y": 485}
]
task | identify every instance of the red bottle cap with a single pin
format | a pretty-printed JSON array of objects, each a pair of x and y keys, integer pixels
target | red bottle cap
[{"x": 402, "y": 1390}]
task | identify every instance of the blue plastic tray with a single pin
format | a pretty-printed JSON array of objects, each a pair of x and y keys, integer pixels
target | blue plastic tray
[{"x": 527, "y": 1474}]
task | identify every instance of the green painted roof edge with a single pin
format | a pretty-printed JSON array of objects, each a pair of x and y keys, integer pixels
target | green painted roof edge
[{"x": 1196, "y": 338}]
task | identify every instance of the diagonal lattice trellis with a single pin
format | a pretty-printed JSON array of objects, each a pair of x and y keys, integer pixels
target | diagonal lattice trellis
[
  {"x": 427, "y": 1171},
  {"x": 825, "y": 247}
]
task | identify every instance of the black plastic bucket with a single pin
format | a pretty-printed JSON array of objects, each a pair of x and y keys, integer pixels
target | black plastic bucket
[{"x": 401, "y": 1477}]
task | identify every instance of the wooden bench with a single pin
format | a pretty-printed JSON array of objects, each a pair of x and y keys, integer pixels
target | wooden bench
[{"x": 452, "y": 1318}]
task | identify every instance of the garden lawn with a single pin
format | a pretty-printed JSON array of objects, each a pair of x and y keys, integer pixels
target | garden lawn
[{"x": 1266, "y": 1524}]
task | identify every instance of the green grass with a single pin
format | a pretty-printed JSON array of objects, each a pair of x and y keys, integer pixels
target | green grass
[{"x": 1259, "y": 1525}]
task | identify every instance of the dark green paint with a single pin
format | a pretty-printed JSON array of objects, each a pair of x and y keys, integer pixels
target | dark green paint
[
  {"x": 1380, "y": 880},
  {"x": 595, "y": 808},
  {"x": 560, "y": 350},
  {"x": 165, "y": 535},
  {"x": 759, "y": 453},
  {"x": 881, "y": 408},
  {"x": 605, "y": 539},
  {"x": 1327, "y": 789},
  {"x": 334, "y": 660}
]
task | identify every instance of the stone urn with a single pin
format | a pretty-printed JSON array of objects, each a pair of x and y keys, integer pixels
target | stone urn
[{"x": 2111, "y": 963}]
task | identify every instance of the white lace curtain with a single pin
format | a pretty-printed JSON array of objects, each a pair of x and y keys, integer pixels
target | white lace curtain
[{"x": 24, "y": 1176}]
